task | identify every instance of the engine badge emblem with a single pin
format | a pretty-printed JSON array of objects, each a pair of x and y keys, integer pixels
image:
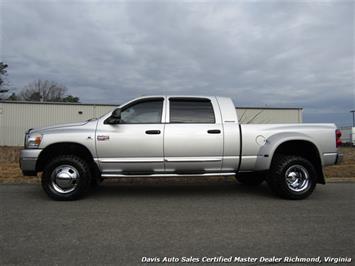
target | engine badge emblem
[{"x": 102, "y": 138}]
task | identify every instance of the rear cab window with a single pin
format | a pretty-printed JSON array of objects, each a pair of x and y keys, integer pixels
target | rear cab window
[{"x": 191, "y": 111}]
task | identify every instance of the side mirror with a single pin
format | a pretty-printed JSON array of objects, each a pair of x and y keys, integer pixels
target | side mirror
[
  {"x": 114, "y": 118},
  {"x": 116, "y": 114}
]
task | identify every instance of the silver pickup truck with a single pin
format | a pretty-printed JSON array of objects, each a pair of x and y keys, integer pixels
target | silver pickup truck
[{"x": 171, "y": 136}]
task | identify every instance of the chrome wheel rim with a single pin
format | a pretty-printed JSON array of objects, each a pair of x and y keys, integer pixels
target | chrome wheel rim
[
  {"x": 297, "y": 178},
  {"x": 65, "y": 179}
]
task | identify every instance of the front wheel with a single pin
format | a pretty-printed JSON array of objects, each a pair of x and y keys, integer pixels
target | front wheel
[
  {"x": 292, "y": 177},
  {"x": 66, "y": 177}
]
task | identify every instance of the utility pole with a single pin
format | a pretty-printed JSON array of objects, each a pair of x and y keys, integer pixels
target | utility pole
[{"x": 353, "y": 111}]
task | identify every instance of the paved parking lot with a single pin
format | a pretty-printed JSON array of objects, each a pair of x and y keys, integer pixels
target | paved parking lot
[{"x": 119, "y": 224}]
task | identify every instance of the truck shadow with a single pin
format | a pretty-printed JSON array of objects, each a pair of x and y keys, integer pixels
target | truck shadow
[{"x": 158, "y": 188}]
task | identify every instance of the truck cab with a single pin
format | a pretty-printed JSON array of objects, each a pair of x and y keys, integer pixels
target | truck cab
[{"x": 168, "y": 135}]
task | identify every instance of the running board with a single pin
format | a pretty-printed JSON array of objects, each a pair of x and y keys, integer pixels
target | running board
[{"x": 167, "y": 175}]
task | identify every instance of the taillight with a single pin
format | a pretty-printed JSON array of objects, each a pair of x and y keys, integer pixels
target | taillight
[{"x": 337, "y": 137}]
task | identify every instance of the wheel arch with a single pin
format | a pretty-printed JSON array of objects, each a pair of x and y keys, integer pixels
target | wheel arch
[
  {"x": 62, "y": 148},
  {"x": 304, "y": 148}
]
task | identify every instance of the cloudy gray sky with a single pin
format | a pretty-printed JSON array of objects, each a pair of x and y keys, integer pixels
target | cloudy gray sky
[{"x": 274, "y": 53}]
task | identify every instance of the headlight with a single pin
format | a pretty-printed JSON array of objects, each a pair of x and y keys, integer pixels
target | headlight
[{"x": 33, "y": 141}]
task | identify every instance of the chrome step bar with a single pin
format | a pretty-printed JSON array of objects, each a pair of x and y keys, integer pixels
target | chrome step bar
[{"x": 111, "y": 175}]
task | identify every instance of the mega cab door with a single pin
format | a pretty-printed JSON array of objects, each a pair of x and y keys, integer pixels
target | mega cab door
[
  {"x": 193, "y": 137},
  {"x": 135, "y": 144}
]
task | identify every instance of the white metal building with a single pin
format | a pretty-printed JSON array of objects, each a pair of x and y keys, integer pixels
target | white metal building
[
  {"x": 17, "y": 117},
  {"x": 269, "y": 115},
  {"x": 348, "y": 135}
]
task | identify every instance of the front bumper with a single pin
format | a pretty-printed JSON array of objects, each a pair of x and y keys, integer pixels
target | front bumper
[
  {"x": 339, "y": 158},
  {"x": 28, "y": 161}
]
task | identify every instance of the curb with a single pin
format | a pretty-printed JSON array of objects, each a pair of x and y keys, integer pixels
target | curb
[{"x": 340, "y": 180}]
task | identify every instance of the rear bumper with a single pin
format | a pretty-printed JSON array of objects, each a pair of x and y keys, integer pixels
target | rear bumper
[
  {"x": 332, "y": 158},
  {"x": 339, "y": 158},
  {"x": 28, "y": 161}
]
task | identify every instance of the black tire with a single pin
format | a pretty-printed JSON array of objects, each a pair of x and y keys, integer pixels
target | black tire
[
  {"x": 68, "y": 165},
  {"x": 251, "y": 180},
  {"x": 283, "y": 169}
]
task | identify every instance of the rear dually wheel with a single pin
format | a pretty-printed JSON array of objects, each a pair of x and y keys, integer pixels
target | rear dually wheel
[{"x": 292, "y": 177}]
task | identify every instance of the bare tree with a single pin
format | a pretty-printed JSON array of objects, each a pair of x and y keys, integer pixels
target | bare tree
[
  {"x": 44, "y": 91},
  {"x": 3, "y": 73}
]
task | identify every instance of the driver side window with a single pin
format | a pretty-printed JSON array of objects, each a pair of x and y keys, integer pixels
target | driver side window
[{"x": 143, "y": 112}]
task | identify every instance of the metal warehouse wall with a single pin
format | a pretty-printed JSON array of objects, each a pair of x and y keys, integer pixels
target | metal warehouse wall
[
  {"x": 17, "y": 117},
  {"x": 269, "y": 115},
  {"x": 346, "y": 134}
]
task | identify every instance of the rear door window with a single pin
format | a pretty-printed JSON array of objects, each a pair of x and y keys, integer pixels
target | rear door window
[{"x": 184, "y": 110}]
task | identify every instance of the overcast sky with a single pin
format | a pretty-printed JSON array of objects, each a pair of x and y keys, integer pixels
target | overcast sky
[{"x": 274, "y": 53}]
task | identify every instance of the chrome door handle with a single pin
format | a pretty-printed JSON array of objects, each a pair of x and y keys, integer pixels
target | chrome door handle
[
  {"x": 152, "y": 132},
  {"x": 213, "y": 131}
]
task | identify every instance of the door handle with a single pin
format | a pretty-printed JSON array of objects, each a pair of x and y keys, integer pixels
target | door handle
[
  {"x": 213, "y": 131},
  {"x": 152, "y": 132}
]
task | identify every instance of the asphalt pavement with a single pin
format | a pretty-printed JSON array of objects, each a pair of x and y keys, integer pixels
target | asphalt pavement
[{"x": 122, "y": 224}]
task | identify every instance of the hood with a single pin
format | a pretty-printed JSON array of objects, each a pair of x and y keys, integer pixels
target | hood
[{"x": 55, "y": 127}]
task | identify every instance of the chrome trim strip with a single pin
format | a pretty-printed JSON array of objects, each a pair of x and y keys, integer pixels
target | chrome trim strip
[
  {"x": 330, "y": 154},
  {"x": 168, "y": 175},
  {"x": 160, "y": 160},
  {"x": 130, "y": 160},
  {"x": 28, "y": 159},
  {"x": 191, "y": 159},
  {"x": 250, "y": 156},
  {"x": 231, "y": 157}
]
